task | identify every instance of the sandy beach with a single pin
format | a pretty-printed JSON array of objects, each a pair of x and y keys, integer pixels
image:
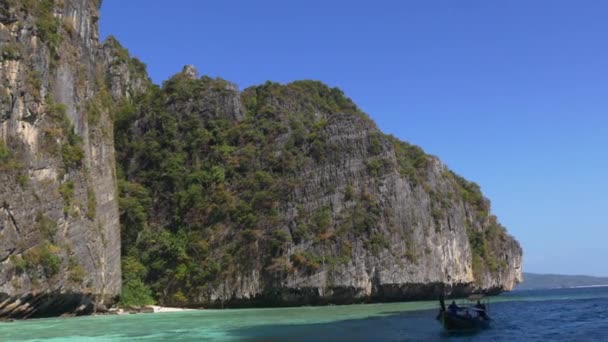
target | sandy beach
[{"x": 158, "y": 309}]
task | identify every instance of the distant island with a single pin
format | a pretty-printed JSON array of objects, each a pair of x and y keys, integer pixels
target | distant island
[{"x": 552, "y": 281}]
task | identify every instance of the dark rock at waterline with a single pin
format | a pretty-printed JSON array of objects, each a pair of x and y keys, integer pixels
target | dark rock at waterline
[
  {"x": 47, "y": 304},
  {"x": 385, "y": 293},
  {"x": 101, "y": 309}
]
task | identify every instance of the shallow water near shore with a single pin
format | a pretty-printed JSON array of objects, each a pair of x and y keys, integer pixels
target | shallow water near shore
[{"x": 547, "y": 315}]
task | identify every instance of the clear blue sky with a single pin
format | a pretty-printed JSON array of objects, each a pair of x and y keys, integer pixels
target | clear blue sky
[{"x": 510, "y": 94}]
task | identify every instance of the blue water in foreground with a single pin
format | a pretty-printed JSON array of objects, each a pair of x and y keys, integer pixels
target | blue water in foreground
[{"x": 547, "y": 315}]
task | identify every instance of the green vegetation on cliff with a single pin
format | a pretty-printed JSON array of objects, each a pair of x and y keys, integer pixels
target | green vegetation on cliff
[
  {"x": 46, "y": 24},
  {"x": 201, "y": 194},
  {"x": 483, "y": 242},
  {"x": 5, "y": 153},
  {"x": 205, "y": 185}
]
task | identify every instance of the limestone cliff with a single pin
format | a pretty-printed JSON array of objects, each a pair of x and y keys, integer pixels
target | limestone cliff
[
  {"x": 289, "y": 194},
  {"x": 59, "y": 229},
  {"x": 276, "y": 195}
]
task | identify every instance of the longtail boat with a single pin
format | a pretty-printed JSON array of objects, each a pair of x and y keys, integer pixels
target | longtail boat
[{"x": 470, "y": 316}]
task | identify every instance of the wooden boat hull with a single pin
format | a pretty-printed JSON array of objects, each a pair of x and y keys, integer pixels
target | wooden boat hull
[{"x": 453, "y": 322}]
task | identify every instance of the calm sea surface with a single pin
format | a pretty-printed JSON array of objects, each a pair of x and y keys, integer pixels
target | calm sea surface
[{"x": 547, "y": 315}]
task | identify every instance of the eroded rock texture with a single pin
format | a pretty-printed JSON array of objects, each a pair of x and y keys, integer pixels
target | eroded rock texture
[
  {"x": 59, "y": 229},
  {"x": 289, "y": 194}
]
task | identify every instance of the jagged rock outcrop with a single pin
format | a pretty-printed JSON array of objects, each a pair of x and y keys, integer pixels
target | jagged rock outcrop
[
  {"x": 59, "y": 229},
  {"x": 301, "y": 200}
]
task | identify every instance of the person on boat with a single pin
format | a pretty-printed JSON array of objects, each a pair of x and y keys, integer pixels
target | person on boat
[
  {"x": 442, "y": 302},
  {"x": 441, "y": 307},
  {"x": 453, "y": 308},
  {"x": 481, "y": 310}
]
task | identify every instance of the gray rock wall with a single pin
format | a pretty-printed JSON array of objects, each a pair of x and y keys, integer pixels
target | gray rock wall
[
  {"x": 59, "y": 229},
  {"x": 368, "y": 217},
  {"x": 424, "y": 226}
]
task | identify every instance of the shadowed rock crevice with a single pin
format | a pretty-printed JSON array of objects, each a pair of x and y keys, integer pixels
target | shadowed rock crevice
[{"x": 47, "y": 304}]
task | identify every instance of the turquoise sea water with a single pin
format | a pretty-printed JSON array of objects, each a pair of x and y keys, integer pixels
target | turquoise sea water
[{"x": 548, "y": 315}]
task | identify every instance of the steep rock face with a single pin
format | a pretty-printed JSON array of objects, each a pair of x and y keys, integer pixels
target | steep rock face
[
  {"x": 301, "y": 200},
  {"x": 60, "y": 237},
  {"x": 425, "y": 229}
]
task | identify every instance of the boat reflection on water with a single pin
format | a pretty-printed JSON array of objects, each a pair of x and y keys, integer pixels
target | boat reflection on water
[{"x": 470, "y": 316}]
